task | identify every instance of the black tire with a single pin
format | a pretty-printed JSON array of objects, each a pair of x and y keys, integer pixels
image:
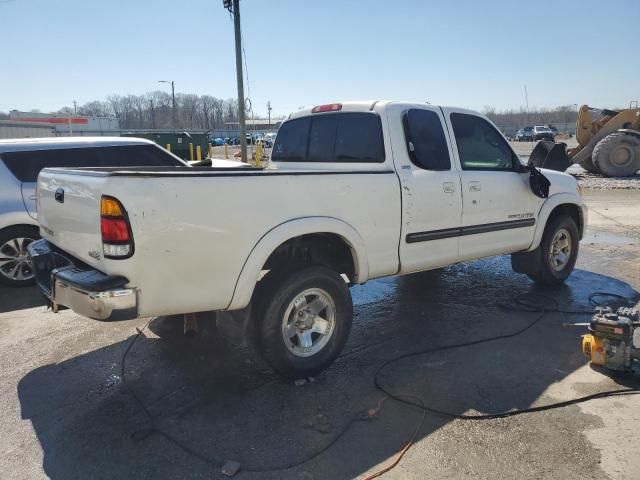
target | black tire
[
  {"x": 589, "y": 166},
  {"x": 276, "y": 297},
  {"x": 8, "y": 237},
  {"x": 618, "y": 154},
  {"x": 546, "y": 273}
]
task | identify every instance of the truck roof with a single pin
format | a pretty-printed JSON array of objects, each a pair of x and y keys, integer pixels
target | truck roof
[
  {"x": 55, "y": 143},
  {"x": 363, "y": 106}
]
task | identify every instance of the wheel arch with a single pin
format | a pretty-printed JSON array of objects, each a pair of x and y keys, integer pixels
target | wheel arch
[
  {"x": 307, "y": 228},
  {"x": 629, "y": 131},
  {"x": 19, "y": 225},
  {"x": 563, "y": 203}
]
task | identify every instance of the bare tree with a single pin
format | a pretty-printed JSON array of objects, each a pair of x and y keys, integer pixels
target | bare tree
[
  {"x": 207, "y": 106},
  {"x": 115, "y": 102},
  {"x": 95, "y": 108},
  {"x": 155, "y": 110}
]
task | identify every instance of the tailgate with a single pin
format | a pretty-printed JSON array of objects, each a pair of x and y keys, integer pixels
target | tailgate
[{"x": 69, "y": 213}]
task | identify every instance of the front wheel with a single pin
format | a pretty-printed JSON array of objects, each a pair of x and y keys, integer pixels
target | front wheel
[
  {"x": 558, "y": 251},
  {"x": 304, "y": 319}
]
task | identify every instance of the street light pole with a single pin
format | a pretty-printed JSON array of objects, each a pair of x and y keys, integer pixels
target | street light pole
[
  {"x": 173, "y": 99},
  {"x": 239, "y": 77},
  {"x": 269, "y": 111}
]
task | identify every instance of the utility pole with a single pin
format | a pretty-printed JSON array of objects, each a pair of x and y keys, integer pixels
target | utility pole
[
  {"x": 153, "y": 114},
  {"x": 173, "y": 99},
  {"x": 234, "y": 7},
  {"x": 75, "y": 108},
  {"x": 173, "y": 103},
  {"x": 269, "y": 111},
  {"x": 526, "y": 97}
]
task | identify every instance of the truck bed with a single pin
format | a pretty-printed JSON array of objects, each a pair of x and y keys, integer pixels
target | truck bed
[{"x": 195, "y": 227}]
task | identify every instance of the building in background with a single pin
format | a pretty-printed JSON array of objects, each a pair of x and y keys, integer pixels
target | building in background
[
  {"x": 20, "y": 129},
  {"x": 65, "y": 125}
]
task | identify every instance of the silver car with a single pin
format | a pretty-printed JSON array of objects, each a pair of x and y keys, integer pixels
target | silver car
[{"x": 20, "y": 162}]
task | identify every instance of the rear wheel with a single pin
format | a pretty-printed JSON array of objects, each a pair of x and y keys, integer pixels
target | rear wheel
[
  {"x": 618, "y": 154},
  {"x": 15, "y": 268},
  {"x": 304, "y": 319}
]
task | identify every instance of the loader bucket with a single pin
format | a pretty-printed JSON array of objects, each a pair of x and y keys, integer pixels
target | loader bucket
[{"x": 550, "y": 155}]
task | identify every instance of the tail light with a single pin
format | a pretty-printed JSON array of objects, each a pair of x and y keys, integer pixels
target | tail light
[{"x": 117, "y": 240}]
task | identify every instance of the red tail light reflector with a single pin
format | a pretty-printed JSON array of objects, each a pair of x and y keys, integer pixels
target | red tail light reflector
[
  {"x": 330, "y": 107},
  {"x": 114, "y": 230}
]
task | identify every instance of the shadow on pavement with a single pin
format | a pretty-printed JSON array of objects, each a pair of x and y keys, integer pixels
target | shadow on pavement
[
  {"x": 225, "y": 403},
  {"x": 20, "y": 298}
]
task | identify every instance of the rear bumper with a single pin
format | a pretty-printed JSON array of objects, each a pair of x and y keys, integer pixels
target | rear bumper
[{"x": 67, "y": 282}]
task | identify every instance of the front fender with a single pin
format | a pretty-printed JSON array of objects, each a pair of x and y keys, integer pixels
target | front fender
[
  {"x": 275, "y": 237},
  {"x": 548, "y": 206}
]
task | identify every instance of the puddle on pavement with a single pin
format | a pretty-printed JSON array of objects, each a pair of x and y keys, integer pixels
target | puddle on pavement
[
  {"x": 607, "y": 238},
  {"x": 379, "y": 290}
]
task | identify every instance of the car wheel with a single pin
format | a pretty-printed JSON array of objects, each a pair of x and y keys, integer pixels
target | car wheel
[
  {"x": 15, "y": 268},
  {"x": 558, "y": 251},
  {"x": 304, "y": 319}
]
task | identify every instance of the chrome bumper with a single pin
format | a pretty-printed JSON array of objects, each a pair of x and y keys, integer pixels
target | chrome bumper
[{"x": 88, "y": 292}]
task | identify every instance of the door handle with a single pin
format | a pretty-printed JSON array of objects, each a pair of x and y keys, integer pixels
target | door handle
[
  {"x": 448, "y": 187},
  {"x": 475, "y": 187}
]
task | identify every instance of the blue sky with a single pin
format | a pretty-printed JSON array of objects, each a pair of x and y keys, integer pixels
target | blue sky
[{"x": 302, "y": 52}]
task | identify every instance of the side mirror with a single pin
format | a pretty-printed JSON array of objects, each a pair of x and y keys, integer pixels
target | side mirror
[{"x": 520, "y": 168}]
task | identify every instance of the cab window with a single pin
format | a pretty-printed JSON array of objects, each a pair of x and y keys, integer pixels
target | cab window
[
  {"x": 480, "y": 145},
  {"x": 347, "y": 137},
  {"x": 426, "y": 143}
]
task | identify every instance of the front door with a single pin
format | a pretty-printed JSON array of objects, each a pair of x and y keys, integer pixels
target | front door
[
  {"x": 431, "y": 201},
  {"x": 499, "y": 210}
]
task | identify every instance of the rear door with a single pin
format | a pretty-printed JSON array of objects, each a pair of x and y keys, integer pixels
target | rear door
[
  {"x": 431, "y": 201},
  {"x": 498, "y": 208}
]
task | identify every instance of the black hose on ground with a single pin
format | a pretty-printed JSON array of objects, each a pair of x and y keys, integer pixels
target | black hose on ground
[{"x": 521, "y": 303}]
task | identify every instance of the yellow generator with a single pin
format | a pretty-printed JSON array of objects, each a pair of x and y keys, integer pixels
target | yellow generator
[
  {"x": 613, "y": 341},
  {"x": 608, "y": 143}
]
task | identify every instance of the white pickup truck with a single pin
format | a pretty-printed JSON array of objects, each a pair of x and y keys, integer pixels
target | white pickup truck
[{"x": 354, "y": 191}]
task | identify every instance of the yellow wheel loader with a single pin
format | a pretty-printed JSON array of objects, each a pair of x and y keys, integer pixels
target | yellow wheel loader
[{"x": 608, "y": 143}]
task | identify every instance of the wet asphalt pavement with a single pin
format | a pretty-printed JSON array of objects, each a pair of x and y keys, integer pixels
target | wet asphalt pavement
[{"x": 65, "y": 413}]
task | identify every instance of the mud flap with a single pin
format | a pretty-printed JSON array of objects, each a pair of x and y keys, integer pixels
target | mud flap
[
  {"x": 235, "y": 326},
  {"x": 550, "y": 155},
  {"x": 526, "y": 262}
]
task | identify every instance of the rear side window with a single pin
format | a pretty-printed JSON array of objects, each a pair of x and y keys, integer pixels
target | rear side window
[
  {"x": 27, "y": 165},
  {"x": 426, "y": 143},
  {"x": 340, "y": 137}
]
